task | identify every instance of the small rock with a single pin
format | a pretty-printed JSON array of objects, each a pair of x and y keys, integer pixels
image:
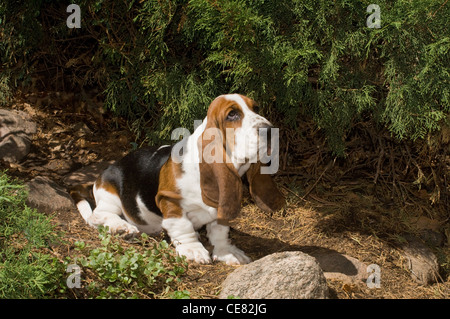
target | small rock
[
  {"x": 284, "y": 275},
  {"x": 81, "y": 129},
  {"x": 15, "y": 130},
  {"x": 47, "y": 196},
  {"x": 87, "y": 174},
  {"x": 60, "y": 166},
  {"x": 421, "y": 261}
]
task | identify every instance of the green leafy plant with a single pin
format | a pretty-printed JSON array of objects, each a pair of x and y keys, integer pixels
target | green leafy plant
[
  {"x": 27, "y": 270},
  {"x": 119, "y": 272}
]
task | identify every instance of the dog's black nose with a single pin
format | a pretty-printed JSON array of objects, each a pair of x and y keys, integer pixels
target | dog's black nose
[
  {"x": 265, "y": 136},
  {"x": 265, "y": 127}
]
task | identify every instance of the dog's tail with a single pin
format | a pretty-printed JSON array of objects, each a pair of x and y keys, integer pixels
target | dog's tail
[{"x": 84, "y": 199}]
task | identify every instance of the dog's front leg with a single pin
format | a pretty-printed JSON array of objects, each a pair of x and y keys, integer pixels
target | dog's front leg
[
  {"x": 223, "y": 249},
  {"x": 185, "y": 239}
]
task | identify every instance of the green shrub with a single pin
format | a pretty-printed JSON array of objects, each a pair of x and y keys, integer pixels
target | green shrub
[
  {"x": 161, "y": 62},
  {"x": 26, "y": 271}
]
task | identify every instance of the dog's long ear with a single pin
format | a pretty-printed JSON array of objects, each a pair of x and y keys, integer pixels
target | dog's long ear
[
  {"x": 263, "y": 189},
  {"x": 220, "y": 182}
]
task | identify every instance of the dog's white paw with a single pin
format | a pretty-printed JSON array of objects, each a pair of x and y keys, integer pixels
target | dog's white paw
[
  {"x": 124, "y": 229},
  {"x": 194, "y": 252},
  {"x": 231, "y": 255}
]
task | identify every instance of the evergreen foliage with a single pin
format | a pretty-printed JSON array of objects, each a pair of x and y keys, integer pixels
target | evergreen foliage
[{"x": 161, "y": 62}]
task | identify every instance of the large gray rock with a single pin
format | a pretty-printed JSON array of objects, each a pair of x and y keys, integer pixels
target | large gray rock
[
  {"x": 15, "y": 130},
  {"x": 47, "y": 196},
  {"x": 284, "y": 275}
]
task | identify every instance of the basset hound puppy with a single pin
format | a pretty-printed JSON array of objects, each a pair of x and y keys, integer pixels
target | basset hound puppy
[{"x": 152, "y": 189}]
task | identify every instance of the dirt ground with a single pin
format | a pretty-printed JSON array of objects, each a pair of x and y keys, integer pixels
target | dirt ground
[{"x": 347, "y": 215}]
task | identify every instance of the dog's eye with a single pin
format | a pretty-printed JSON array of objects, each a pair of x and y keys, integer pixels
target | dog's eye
[{"x": 233, "y": 116}]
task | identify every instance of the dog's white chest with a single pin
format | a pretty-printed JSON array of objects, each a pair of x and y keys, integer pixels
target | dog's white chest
[{"x": 189, "y": 185}]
